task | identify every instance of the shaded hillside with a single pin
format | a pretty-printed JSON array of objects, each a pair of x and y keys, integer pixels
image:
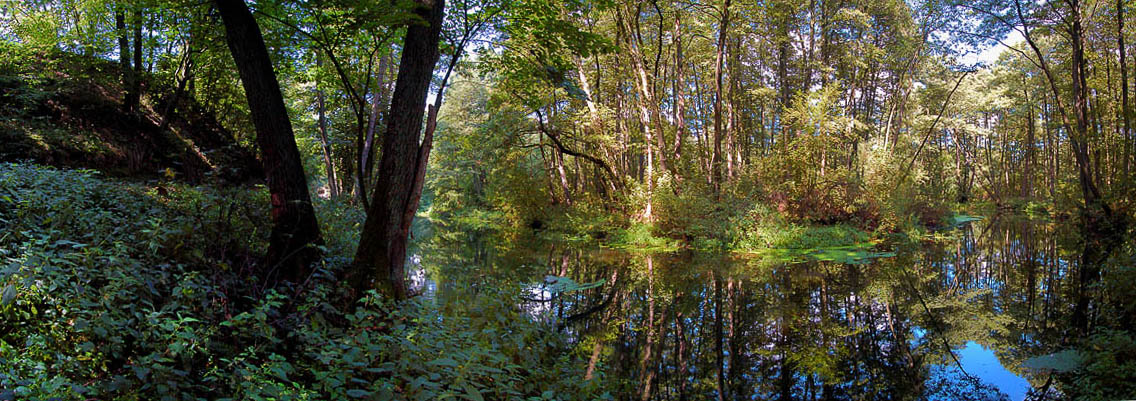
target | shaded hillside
[{"x": 66, "y": 110}]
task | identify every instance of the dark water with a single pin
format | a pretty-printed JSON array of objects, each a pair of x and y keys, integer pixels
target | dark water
[{"x": 955, "y": 318}]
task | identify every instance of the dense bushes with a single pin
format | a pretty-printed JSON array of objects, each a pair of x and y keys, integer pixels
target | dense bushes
[
  {"x": 126, "y": 291},
  {"x": 741, "y": 221}
]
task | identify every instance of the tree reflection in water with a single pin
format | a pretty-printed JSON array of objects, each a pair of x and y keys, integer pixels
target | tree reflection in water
[{"x": 692, "y": 325}]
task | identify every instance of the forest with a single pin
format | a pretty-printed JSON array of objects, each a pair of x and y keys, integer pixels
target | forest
[{"x": 567, "y": 200}]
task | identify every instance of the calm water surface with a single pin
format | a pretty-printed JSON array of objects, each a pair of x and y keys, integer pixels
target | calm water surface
[{"x": 955, "y": 318}]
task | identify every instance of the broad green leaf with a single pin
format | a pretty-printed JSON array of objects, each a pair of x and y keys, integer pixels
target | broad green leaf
[
  {"x": 444, "y": 362},
  {"x": 472, "y": 393},
  {"x": 357, "y": 393},
  {"x": 7, "y": 295},
  {"x": 1060, "y": 362}
]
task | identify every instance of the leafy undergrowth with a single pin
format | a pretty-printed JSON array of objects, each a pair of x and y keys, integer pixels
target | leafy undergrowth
[
  {"x": 640, "y": 236},
  {"x": 124, "y": 291}
]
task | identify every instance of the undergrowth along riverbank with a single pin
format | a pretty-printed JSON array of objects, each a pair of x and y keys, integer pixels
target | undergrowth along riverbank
[{"x": 116, "y": 290}]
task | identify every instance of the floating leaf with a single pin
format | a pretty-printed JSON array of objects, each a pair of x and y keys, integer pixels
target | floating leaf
[
  {"x": 556, "y": 284},
  {"x": 1060, "y": 362},
  {"x": 960, "y": 219},
  {"x": 847, "y": 255}
]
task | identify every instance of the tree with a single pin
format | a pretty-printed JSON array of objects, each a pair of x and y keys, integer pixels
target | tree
[
  {"x": 124, "y": 60},
  {"x": 294, "y": 229},
  {"x": 134, "y": 92},
  {"x": 382, "y": 247}
]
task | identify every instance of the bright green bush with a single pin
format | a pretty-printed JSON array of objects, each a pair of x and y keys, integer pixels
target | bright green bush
[
  {"x": 764, "y": 228},
  {"x": 641, "y": 236}
]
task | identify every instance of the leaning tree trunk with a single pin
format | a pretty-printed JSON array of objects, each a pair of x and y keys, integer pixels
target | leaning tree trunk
[
  {"x": 381, "y": 255},
  {"x": 294, "y": 226}
]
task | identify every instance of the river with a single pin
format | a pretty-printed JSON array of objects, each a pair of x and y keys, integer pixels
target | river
[{"x": 982, "y": 311}]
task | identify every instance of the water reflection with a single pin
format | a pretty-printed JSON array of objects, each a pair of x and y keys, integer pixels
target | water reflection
[
  {"x": 981, "y": 362},
  {"x": 951, "y": 319}
]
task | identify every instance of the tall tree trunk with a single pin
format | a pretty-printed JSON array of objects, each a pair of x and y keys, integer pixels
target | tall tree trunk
[
  {"x": 719, "y": 59},
  {"x": 679, "y": 94},
  {"x": 783, "y": 82},
  {"x": 294, "y": 226},
  {"x": 733, "y": 157},
  {"x": 1027, "y": 179},
  {"x": 136, "y": 81},
  {"x": 124, "y": 58},
  {"x": 381, "y": 255},
  {"x": 1079, "y": 128},
  {"x": 1081, "y": 109},
  {"x": 325, "y": 144},
  {"x": 1051, "y": 146},
  {"x": 644, "y": 85},
  {"x": 1125, "y": 107}
]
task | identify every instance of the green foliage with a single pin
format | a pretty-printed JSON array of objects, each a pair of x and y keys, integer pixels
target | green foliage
[
  {"x": 1107, "y": 366},
  {"x": 641, "y": 236},
  {"x": 542, "y": 41},
  {"x": 473, "y": 350},
  {"x": 694, "y": 216},
  {"x": 111, "y": 290},
  {"x": 764, "y": 228},
  {"x": 112, "y": 283}
]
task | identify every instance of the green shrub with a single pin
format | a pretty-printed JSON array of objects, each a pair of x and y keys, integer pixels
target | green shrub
[
  {"x": 766, "y": 229},
  {"x": 641, "y": 236}
]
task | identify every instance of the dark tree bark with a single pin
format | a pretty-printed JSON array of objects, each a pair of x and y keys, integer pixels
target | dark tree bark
[
  {"x": 1081, "y": 109},
  {"x": 124, "y": 58},
  {"x": 1125, "y": 108},
  {"x": 719, "y": 59},
  {"x": 134, "y": 93},
  {"x": 294, "y": 227},
  {"x": 679, "y": 94},
  {"x": 381, "y": 255}
]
